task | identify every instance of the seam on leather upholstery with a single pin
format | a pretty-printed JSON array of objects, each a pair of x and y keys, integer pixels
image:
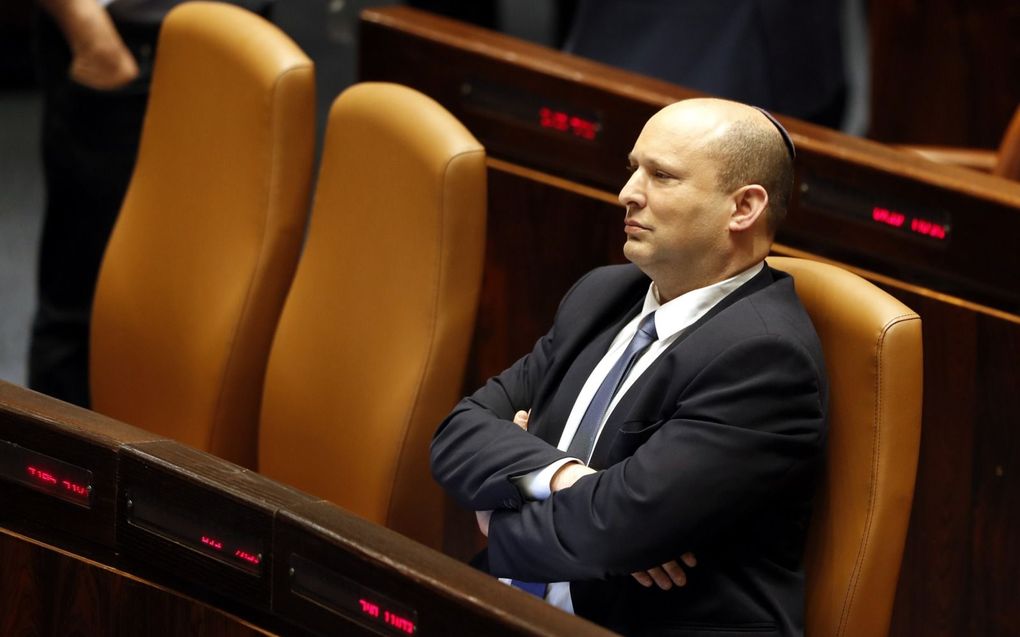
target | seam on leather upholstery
[
  {"x": 423, "y": 372},
  {"x": 428, "y": 362},
  {"x": 873, "y": 485},
  {"x": 270, "y": 191}
]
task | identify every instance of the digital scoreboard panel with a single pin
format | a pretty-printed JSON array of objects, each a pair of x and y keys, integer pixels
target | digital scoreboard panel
[
  {"x": 558, "y": 117},
  {"x": 45, "y": 474},
  {"x": 209, "y": 535},
  {"x": 888, "y": 213},
  {"x": 197, "y": 517},
  {"x": 351, "y": 600}
]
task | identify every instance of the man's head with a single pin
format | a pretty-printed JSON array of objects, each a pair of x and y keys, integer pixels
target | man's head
[{"x": 710, "y": 184}]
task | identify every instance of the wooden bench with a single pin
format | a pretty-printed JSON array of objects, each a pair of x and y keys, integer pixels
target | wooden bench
[{"x": 108, "y": 529}]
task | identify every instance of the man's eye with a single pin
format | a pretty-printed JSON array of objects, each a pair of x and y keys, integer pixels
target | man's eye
[{"x": 662, "y": 175}]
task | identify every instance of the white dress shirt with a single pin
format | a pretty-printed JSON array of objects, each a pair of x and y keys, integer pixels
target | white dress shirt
[{"x": 670, "y": 319}]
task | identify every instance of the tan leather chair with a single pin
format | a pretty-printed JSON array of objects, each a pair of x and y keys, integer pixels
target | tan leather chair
[
  {"x": 200, "y": 260},
  {"x": 872, "y": 346},
  {"x": 371, "y": 347},
  {"x": 1004, "y": 162},
  {"x": 1007, "y": 161}
]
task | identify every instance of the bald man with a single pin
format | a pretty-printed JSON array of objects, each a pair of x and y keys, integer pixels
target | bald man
[{"x": 670, "y": 426}]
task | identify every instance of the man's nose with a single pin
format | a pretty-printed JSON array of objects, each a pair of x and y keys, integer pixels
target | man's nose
[{"x": 633, "y": 192}]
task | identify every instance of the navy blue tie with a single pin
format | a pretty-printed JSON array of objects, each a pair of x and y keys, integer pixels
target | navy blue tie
[
  {"x": 584, "y": 438},
  {"x": 535, "y": 588}
]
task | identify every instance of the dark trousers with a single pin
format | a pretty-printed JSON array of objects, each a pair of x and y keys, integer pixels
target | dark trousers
[{"x": 89, "y": 144}]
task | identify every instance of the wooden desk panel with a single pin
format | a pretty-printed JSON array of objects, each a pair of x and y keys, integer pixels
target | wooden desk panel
[
  {"x": 73, "y": 435},
  {"x": 48, "y": 592},
  {"x": 150, "y": 573}
]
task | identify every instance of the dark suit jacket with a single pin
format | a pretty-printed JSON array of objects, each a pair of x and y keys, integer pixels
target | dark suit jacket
[
  {"x": 781, "y": 55},
  {"x": 713, "y": 450}
]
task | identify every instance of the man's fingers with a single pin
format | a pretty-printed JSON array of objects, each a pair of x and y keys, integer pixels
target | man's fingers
[
  {"x": 663, "y": 579},
  {"x": 675, "y": 572},
  {"x": 521, "y": 419},
  {"x": 665, "y": 576},
  {"x": 642, "y": 578},
  {"x": 689, "y": 560}
]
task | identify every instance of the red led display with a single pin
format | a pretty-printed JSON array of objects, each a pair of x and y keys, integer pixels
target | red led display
[
  {"x": 219, "y": 537},
  {"x": 45, "y": 474},
  {"x": 370, "y": 609},
  {"x": 888, "y": 217},
  {"x": 917, "y": 225},
  {"x": 565, "y": 122},
  {"x": 928, "y": 228},
  {"x": 40, "y": 475},
  {"x": 47, "y": 478},
  {"x": 208, "y": 541},
  {"x": 351, "y": 599},
  {"x": 508, "y": 103},
  {"x": 251, "y": 558},
  {"x": 76, "y": 489},
  {"x": 393, "y": 619},
  {"x": 217, "y": 545},
  {"x": 400, "y": 623}
]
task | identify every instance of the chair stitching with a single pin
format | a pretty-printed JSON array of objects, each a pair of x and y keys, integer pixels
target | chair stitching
[
  {"x": 876, "y": 446},
  {"x": 426, "y": 365},
  {"x": 272, "y": 179}
]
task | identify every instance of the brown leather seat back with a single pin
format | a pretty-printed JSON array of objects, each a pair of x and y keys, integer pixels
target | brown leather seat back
[
  {"x": 1007, "y": 163},
  {"x": 199, "y": 262},
  {"x": 872, "y": 346},
  {"x": 371, "y": 347}
]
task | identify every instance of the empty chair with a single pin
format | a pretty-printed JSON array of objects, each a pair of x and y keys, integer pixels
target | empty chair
[
  {"x": 370, "y": 350},
  {"x": 202, "y": 254},
  {"x": 872, "y": 346},
  {"x": 1007, "y": 160},
  {"x": 1004, "y": 162}
]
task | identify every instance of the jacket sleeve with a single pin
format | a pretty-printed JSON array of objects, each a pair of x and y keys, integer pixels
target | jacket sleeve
[
  {"x": 478, "y": 450},
  {"x": 743, "y": 429}
]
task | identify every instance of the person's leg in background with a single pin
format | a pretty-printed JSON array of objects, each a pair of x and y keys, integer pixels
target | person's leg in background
[{"x": 90, "y": 140}]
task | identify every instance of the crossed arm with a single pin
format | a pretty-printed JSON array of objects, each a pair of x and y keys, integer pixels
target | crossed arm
[
  {"x": 743, "y": 428},
  {"x": 664, "y": 576}
]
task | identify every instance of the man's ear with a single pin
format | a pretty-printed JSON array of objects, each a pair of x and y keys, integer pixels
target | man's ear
[{"x": 750, "y": 203}]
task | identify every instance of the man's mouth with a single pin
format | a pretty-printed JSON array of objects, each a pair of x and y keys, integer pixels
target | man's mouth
[{"x": 629, "y": 226}]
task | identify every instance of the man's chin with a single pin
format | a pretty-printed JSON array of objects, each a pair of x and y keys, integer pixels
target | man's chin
[{"x": 634, "y": 251}]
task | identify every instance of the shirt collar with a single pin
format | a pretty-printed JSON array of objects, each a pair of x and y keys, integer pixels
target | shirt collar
[{"x": 675, "y": 315}]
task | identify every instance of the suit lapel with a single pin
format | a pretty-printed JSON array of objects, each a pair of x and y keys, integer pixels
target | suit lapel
[
  {"x": 629, "y": 400},
  {"x": 563, "y": 394}
]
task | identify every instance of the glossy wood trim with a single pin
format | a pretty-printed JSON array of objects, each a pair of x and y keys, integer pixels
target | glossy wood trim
[{"x": 809, "y": 138}]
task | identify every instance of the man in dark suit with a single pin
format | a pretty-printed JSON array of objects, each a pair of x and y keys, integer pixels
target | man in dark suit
[
  {"x": 677, "y": 405},
  {"x": 783, "y": 55}
]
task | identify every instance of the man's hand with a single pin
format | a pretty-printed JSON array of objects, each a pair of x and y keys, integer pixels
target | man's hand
[
  {"x": 99, "y": 57},
  {"x": 521, "y": 419},
  {"x": 483, "y": 517},
  {"x": 104, "y": 64},
  {"x": 567, "y": 475},
  {"x": 564, "y": 477},
  {"x": 667, "y": 575}
]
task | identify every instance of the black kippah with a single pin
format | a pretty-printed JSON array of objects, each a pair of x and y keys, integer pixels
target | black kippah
[{"x": 782, "y": 132}]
